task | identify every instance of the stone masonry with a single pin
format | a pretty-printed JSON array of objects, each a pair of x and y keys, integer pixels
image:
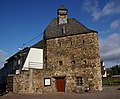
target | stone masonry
[
  {"x": 71, "y": 60},
  {"x": 80, "y": 57},
  {"x": 84, "y": 47}
]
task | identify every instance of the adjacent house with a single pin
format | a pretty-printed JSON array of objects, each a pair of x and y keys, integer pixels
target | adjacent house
[
  {"x": 71, "y": 60},
  {"x": 29, "y": 57},
  {"x": 103, "y": 69}
]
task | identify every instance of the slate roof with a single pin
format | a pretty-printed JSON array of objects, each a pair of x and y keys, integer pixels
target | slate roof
[
  {"x": 25, "y": 50},
  {"x": 54, "y": 30},
  {"x": 40, "y": 45}
]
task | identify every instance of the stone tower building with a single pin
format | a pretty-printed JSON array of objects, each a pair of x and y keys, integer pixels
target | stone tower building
[
  {"x": 71, "y": 60},
  {"x": 71, "y": 51}
]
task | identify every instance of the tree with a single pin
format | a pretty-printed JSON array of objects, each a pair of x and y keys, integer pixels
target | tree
[{"x": 115, "y": 70}]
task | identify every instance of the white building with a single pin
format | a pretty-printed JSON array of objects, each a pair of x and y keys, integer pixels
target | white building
[
  {"x": 29, "y": 57},
  {"x": 34, "y": 59},
  {"x": 104, "y": 71}
]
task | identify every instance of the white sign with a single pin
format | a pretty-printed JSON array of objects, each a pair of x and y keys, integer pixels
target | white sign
[{"x": 47, "y": 81}]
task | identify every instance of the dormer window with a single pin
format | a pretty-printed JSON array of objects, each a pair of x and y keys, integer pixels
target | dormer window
[{"x": 63, "y": 29}]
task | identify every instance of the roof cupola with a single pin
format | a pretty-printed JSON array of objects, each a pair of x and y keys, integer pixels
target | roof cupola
[{"x": 62, "y": 15}]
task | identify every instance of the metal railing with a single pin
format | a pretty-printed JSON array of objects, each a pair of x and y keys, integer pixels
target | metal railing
[{"x": 36, "y": 65}]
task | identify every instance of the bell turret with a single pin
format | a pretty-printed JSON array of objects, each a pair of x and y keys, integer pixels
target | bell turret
[{"x": 62, "y": 15}]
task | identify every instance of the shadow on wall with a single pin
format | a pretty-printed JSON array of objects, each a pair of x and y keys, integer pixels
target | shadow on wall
[{"x": 2, "y": 88}]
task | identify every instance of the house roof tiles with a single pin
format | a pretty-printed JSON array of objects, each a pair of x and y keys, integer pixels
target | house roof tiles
[
  {"x": 38, "y": 45},
  {"x": 73, "y": 27}
]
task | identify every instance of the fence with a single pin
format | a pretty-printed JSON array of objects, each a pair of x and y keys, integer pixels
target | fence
[{"x": 36, "y": 65}]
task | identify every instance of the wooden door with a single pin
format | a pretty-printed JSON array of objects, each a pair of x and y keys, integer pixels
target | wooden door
[{"x": 60, "y": 84}]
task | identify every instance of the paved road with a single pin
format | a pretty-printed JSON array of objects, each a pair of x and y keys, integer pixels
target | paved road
[{"x": 107, "y": 93}]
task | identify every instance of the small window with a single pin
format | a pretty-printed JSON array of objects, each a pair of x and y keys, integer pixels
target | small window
[
  {"x": 83, "y": 41},
  {"x": 71, "y": 43},
  {"x": 14, "y": 63},
  {"x": 63, "y": 29},
  {"x": 73, "y": 62},
  {"x": 45, "y": 58},
  {"x": 19, "y": 61},
  {"x": 60, "y": 63},
  {"x": 79, "y": 81},
  {"x": 84, "y": 62},
  {"x": 47, "y": 81},
  {"x": 59, "y": 44}
]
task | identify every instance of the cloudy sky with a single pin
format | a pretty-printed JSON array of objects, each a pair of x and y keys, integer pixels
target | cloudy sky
[{"x": 22, "y": 20}]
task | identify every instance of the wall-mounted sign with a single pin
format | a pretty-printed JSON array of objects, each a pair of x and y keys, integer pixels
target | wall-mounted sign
[{"x": 47, "y": 81}]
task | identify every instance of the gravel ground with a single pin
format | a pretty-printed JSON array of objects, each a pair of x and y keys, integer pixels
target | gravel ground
[{"x": 107, "y": 93}]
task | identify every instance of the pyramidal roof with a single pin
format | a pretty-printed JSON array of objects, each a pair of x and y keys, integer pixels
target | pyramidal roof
[
  {"x": 72, "y": 27},
  {"x": 62, "y": 7}
]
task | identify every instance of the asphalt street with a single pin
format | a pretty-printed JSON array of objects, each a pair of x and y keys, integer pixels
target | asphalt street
[{"x": 107, "y": 93}]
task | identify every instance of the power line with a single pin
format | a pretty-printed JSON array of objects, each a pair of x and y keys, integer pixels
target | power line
[{"x": 31, "y": 40}]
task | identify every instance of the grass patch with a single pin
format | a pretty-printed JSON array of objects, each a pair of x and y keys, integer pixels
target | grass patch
[{"x": 111, "y": 81}]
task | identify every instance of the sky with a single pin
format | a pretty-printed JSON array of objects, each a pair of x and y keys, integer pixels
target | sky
[{"x": 23, "y": 20}]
